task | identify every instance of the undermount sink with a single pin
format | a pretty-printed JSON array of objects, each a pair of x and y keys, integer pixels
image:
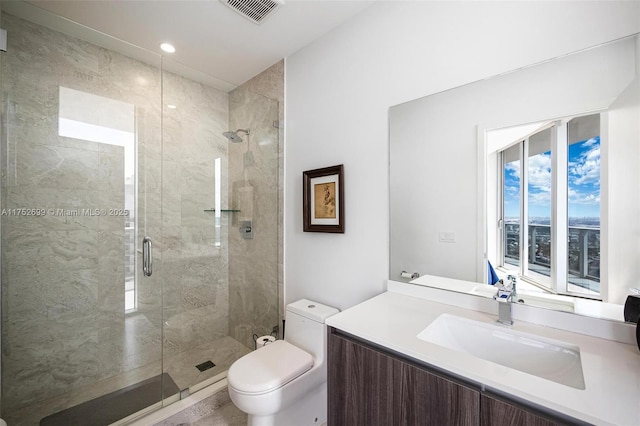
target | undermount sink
[{"x": 546, "y": 358}]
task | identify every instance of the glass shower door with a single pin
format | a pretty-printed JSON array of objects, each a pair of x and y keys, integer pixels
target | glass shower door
[
  {"x": 220, "y": 281},
  {"x": 81, "y": 149}
]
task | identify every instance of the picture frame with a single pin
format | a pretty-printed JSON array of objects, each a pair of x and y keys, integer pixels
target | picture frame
[{"x": 323, "y": 199}]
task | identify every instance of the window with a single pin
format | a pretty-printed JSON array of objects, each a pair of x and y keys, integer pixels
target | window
[
  {"x": 583, "y": 181},
  {"x": 97, "y": 119},
  {"x": 511, "y": 204},
  {"x": 549, "y": 213}
]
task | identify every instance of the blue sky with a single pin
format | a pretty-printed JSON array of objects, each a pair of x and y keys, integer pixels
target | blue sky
[{"x": 583, "y": 177}]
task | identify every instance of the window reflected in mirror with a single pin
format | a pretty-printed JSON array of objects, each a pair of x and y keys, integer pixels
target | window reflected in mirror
[{"x": 531, "y": 194}]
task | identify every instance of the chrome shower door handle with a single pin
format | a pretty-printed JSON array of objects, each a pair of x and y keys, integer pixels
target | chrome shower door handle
[{"x": 147, "y": 256}]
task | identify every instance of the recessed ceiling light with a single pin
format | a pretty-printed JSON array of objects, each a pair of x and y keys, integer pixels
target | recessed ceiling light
[
  {"x": 167, "y": 47},
  {"x": 170, "y": 106}
]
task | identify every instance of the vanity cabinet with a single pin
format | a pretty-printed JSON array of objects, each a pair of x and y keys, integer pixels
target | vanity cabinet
[
  {"x": 495, "y": 412},
  {"x": 370, "y": 386}
]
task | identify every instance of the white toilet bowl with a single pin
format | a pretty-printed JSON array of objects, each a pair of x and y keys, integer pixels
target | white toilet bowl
[{"x": 285, "y": 383}]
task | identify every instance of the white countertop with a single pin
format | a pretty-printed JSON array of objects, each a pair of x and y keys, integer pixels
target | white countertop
[{"x": 611, "y": 369}]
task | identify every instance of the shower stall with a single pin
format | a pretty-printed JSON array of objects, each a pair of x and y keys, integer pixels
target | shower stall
[{"x": 139, "y": 247}]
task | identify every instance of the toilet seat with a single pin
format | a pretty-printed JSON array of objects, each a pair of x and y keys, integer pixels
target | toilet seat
[{"x": 268, "y": 368}]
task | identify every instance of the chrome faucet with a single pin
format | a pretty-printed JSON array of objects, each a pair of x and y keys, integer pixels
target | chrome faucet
[
  {"x": 512, "y": 282},
  {"x": 504, "y": 297}
]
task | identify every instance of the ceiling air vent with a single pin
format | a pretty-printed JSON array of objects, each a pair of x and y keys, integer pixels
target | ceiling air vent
[{"x": 254, "y": 10}]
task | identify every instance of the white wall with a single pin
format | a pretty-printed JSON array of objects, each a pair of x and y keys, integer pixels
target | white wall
[{"x": 339, "y": 90}]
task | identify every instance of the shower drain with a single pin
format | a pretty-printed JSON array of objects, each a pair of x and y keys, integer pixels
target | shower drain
[{"x": 205, "y": 366}]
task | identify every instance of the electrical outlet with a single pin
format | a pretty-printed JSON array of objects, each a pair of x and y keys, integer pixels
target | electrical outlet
[{"x": 447, "y": 237}]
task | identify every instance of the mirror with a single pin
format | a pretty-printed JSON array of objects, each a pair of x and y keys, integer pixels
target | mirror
[{"x": 453, "y": 158}]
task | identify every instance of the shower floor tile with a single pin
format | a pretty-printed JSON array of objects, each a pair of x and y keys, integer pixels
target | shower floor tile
[{"x": 223, "y": 352}]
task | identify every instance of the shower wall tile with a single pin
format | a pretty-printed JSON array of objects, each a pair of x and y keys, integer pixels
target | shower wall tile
[
  {"x": 192, "y": 208},
  {"x": 193, "y": 131},
  {"x": 52, "y": 166},
  {"x": 269, "y": 83},
  {"x": 195, "y": 178},
  {"x": 200, "y": 287},
  {"x": 110, "y": 294},
  {"x": 110, "y": 172},
  {"x": 196, "y": 279},
  {"x": 64, "y": 324},
  {"x": 254, "y": 296},
  {"x": 59, "y": 356},
  {"x": 24, "y": 196}
]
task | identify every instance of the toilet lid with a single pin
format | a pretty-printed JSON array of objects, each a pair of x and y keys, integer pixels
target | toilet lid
[{"x": 268, "y": 368}]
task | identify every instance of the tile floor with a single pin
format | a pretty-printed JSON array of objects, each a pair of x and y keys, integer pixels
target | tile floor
[{"x": 216, "y": 410}]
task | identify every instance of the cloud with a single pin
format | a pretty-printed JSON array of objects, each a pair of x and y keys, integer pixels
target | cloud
[
  {"x": 539, "y": 179},
  {"x": 512, "y": 190},
  {"x": 583, "y": 177},
  {"x": 585, "y": 168},
  {"x": 584, "y": 198},
  {"x": 540, "y": 198},
  {"x": 540, "y": 173},
  {"x": 514, "y": 168}
]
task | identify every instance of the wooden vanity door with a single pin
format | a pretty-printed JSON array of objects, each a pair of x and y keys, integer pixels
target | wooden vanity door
[
  {"x": 369, "y": 387},
  {"x": 496, "y": 412}
]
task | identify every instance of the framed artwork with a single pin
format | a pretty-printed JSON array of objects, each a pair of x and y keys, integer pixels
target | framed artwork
[{"x": 323, "y": 199}]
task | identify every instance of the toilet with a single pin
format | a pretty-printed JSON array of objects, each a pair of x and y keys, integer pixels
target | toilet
[{"x": 285, "y": 383}]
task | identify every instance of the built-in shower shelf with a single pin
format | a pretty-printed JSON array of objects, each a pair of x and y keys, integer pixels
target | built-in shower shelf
[{"x": 223, "y": 210}]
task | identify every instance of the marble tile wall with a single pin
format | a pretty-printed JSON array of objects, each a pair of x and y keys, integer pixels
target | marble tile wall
[
  {"x": 270, "y": 83},
  {"x": 195, "y": 270},
  {"x": 255, "y": 168},
  {"x": 63, "y": 275}
]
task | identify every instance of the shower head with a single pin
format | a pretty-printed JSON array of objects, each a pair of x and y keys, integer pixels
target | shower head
[{"x": 234, "y": 137}]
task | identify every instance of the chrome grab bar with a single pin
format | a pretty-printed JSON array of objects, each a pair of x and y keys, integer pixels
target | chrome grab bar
[{"x": 147, "y": 256}]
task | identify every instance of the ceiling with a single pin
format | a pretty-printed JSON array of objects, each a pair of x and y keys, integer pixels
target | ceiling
[{"x": 214, "y": 44}]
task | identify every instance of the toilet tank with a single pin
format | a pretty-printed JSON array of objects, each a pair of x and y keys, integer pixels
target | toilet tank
[{"x": 305, "y": 326}]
